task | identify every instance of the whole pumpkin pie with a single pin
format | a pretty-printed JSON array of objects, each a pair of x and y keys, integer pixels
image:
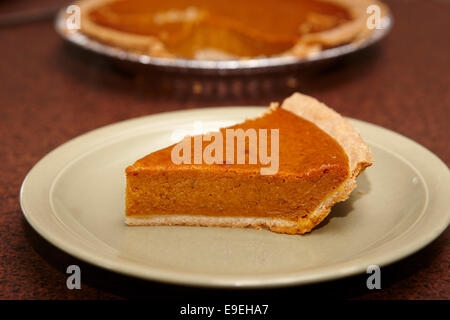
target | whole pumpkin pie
[
  {"x": 315, "y": 157},
  {"x": 217, "y": 29}
]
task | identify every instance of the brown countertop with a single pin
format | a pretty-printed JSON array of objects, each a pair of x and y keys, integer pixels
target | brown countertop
[{"x": 51, "y": 92}]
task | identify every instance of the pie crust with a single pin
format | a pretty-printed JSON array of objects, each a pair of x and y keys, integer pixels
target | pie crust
[{"x": 354, "y": 30}]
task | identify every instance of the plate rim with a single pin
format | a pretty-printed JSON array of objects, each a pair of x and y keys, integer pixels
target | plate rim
[{"x": 150, "y": 273}]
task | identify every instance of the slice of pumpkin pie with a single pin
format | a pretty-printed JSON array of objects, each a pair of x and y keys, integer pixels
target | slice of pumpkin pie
[{"x": 282, "y": 171}]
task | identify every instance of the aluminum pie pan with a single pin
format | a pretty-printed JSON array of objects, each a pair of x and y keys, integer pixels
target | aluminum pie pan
[{"x": 216, "y": 66}]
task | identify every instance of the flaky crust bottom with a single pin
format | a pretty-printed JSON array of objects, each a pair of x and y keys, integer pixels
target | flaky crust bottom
[{"x": 276, "y": 225}]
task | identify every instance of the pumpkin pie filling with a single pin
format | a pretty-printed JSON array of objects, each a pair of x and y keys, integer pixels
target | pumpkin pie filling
[
  {"x": 238, "y": 28},
  {"x": 311, "y": 165}
]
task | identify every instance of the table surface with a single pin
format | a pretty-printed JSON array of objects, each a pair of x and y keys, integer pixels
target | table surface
[{"x": 51, "y": 92}]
